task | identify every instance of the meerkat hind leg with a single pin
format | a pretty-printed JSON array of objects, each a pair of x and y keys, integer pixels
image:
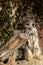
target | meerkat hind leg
[
  {"x": 37, "y": 53},
  {"x": 28, "y": 54}
]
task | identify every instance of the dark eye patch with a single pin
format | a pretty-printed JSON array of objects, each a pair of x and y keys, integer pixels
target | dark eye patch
[
  {"x": 33, "y": 24},
  {"x": 27, "y": 23}
]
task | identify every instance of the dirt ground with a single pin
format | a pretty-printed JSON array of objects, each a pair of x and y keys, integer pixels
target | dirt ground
[
  {"x": 25, "y": 62},
  {"x": 31, "y": 62}
]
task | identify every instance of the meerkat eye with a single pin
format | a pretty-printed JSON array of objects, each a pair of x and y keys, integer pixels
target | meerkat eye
[
  {"x": 27, "y": 23},
  {"x": 33, "y": 24}
]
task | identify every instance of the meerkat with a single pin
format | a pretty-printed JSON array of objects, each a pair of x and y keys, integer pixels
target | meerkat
[{"x": 32, "y": 45}]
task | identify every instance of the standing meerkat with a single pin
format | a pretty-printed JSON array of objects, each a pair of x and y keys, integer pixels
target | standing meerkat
[{"x": 32, "y": 46}]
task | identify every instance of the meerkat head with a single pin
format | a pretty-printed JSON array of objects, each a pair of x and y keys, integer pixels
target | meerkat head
[
  {"x": 30, "y": 24},
  {"x": 29, "y": 21}
]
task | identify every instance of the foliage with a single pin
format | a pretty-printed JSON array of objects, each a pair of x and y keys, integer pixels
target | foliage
[{"x": 5, "y": 24}]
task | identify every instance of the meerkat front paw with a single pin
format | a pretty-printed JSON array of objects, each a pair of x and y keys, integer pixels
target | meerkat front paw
[{"x": 37, "y": 53}]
